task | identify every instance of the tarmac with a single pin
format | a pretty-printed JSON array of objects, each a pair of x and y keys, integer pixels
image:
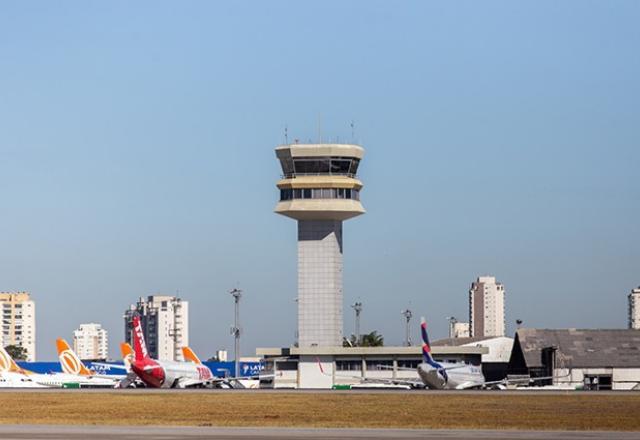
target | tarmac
[{"x": 59, "y": 432}]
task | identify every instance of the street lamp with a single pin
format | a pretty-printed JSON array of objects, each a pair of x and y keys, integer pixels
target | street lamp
[
  {"x": 235, "y": 329},
  {"x": 358, "y": 309}
]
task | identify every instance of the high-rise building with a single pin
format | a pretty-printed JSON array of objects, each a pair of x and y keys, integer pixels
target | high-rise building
[
  {"x": 634, "y": 309},
  {"x": 165, "y": 323},
  {"x": 486, "y": 308},
  {"x": 320, "y": 190},
  {"x": 90, "y": 341},
  {"x": 19, "y": 321}
]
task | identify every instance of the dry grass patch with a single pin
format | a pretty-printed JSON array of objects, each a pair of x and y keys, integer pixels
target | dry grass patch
[{"x": 411, "y": 410}]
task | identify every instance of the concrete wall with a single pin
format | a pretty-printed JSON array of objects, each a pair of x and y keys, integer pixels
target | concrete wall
[
  {"x": 311, "y": 376},
  {"x": 319, "y": 283},
  {"x": 622, "y": 378}
]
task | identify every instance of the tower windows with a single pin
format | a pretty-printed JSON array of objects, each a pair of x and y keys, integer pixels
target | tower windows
[
  {"x": 319, "y": 193},
  {"x": 305, "y": 166}
]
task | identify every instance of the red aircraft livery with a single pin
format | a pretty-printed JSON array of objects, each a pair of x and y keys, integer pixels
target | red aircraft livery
[{"x": 166, "y": 374}]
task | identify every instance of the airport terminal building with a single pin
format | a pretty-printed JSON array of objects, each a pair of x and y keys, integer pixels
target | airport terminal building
[{"x": 330, "y": 367}]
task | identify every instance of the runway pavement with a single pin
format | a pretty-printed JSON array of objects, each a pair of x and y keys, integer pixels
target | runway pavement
[{"x": 59, "y": 432}]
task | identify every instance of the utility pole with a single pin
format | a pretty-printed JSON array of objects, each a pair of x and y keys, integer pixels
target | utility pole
[
  {"x": 407, "y": 316},
  {"x": 235, "y": 330},
  {"x": 358, "y": 308}
]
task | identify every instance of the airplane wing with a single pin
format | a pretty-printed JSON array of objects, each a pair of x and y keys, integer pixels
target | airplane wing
[
  {"x": 106, "y": 365},
  {"x": 387, "y": 367},
  {"x": 128, "y": 380},
  {"x": 524, "y": 380},
  {"x": 469, "y": 385},
  {"x": 413, "y": 383},
  {"x": 187, "y": 383}
]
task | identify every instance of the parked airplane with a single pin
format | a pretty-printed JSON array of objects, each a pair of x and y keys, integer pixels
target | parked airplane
[
  {"x": 72, "y": 365},
  {"x": 446, "y": 375},
  {"x": 457, "y": 375},
  {"x": 165, "y": 374},
  {"x": 17, "y": 380},
  {"x": 10, "y": 375},
  {"x": 19, "y": 376},
  {"x": 432, "y": 374}
]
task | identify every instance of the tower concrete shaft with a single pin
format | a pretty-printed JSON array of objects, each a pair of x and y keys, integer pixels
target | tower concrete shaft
[
  {"x": 319, "y": 283},
  {"x": 320, "y": 190}
]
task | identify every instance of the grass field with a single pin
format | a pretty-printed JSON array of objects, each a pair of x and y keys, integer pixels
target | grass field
[{"x": 411, "y": 410}]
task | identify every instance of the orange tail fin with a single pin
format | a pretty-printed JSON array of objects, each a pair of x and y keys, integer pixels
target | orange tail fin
[
  {"x": 69, "y": 360},
  {"x": 189, "y": 355},
  {"x": 7, "y": 364},
  {"x": 127, "y": 354}
]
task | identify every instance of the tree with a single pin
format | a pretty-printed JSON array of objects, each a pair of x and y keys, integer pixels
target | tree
[
  {"x": 17, "y": 352},
  {"x": 372, "y": 339}
]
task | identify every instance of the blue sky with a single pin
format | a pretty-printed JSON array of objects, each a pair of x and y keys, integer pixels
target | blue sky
[{"x": 136, "y": 151}]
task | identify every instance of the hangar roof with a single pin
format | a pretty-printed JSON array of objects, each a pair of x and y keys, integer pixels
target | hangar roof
[{"x": 581, "y": 348}]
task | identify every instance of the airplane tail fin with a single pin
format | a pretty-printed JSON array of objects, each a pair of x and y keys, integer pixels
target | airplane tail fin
[
  {"x": 7, "y": 364},
  {"x": 69, "y": 360},
  {"x": 127, "y": 354},
  {"x": 140, "y": 348},
  {"x": 189, "y": 355},
  {"x": 426, "y": 346}
]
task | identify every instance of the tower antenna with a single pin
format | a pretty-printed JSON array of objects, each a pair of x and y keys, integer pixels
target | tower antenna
[
  {"x": 286, "y": 135},
  {"x": 353, "y": 131}
]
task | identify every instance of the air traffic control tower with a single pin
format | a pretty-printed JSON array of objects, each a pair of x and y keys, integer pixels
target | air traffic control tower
[{"x": 320, "y": 190}]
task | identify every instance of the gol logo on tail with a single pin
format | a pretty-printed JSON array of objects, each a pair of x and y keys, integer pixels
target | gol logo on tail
[
  {"x": 70, "y": 363},
  {"x": 5, "y": 361}
]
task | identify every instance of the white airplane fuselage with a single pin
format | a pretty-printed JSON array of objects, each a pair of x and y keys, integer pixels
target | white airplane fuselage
[
  {"x": 170, "y": 374},
  {"x": 452, "y": 376},
  {"x": 57, "y": 380},
  {"x": 18, "y": 380}
]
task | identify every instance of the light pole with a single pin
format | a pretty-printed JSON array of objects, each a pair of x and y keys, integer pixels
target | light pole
[
  {"x": 235, "y": 330},
  {"x": 358, "y": 309},
  {"x": 407, "y": 316}
]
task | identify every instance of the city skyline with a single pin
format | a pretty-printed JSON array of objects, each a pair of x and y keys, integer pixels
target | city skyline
[{"x": 137, "y": 158}]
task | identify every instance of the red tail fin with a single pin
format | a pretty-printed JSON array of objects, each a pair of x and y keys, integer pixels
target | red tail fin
[{"x": 140, "y": 348}]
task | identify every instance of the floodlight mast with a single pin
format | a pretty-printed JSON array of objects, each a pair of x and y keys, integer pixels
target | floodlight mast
[
  {"x": 407, "y": 316},
  {"x": 235, "y": 330},
  {"x": 358, "y": 309}
]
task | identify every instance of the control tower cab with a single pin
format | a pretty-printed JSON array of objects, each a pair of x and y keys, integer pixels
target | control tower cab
[
  {"x": 319, "y": 181},
  {"x": 319, "y": 188}
]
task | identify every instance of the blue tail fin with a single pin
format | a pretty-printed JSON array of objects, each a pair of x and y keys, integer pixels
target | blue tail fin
[{"x": 426, "y": 346}]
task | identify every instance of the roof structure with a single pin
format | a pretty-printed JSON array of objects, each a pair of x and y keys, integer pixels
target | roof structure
[
  {"x": 415, "y": 350},
  {"x": 499, "y": 347},
  {"x": 579, "y": 348}
]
